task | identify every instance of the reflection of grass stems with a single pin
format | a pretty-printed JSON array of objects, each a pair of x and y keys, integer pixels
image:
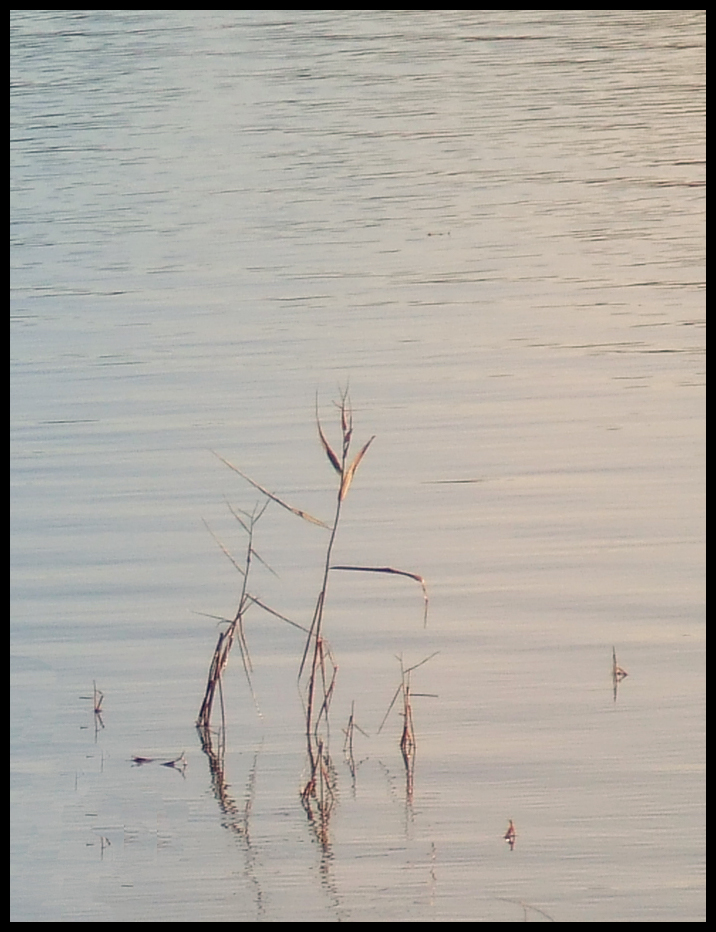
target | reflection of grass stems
[
  {"x": 525, "y": 907},
  {"x": 349, "y": 732}
]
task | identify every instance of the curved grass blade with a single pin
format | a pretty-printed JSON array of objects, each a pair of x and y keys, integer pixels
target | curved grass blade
[
  {"x": 327, "y": 447},
  {"x": 348, "y": 477},
  {"x": 389, "y": 569},
  {"x": 274, "y": 498}
]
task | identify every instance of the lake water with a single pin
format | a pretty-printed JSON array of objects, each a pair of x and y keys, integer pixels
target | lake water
[{"x": 489, "y": 226}]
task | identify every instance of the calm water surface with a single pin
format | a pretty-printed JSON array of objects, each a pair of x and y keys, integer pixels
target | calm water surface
[{"x": 490, "y": 226}]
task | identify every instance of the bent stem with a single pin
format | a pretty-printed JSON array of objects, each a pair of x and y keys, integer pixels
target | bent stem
[{"x": 389, "y": 569}]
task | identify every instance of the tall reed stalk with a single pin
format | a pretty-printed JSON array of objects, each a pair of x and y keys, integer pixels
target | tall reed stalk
[{"x": 317, "y": 706}]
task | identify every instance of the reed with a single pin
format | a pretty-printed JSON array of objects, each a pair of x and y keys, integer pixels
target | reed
[
  {"x": 234, "y": 631},
  {"x": 407, "y": 737},
  {"x": 317, "y": 658},
  {"x": 97, "y": 697},
  {"x": 317, "y": 669}
]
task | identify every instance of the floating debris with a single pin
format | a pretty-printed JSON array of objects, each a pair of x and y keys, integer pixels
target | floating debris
[
  {"x": 618, "y": 673},
  {"x": 510, "y": 835},
  {"x": 177, "y": 763}
]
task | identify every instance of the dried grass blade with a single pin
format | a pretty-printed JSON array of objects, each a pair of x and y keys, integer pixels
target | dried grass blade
[
  {"x": 241, "y": 521},
  {"x": 274, "y": 498},
  {"x": 385, "y": 717},
  {"x": 415, "y": 667},
  {"x": 244, "y": 647},
  {"x": 249, "y": 531},
  {"x": 348, "y": 477},
  {"x": 327, "y": 447},
  {"x": 217, "y": 617},
  {"x": 251, "y": 518},
  {"x": 389, "y": 569},
  {"x": 223, "y": 549},
  {"x": 316, "y": 615},
  {"x": 264, "y": 563},
  {"x": 271, "y": 611}
]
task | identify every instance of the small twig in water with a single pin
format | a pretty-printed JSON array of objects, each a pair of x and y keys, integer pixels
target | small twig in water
[
  {"x": 617, "y": 673},
  {"x": 510, "y": 835}
]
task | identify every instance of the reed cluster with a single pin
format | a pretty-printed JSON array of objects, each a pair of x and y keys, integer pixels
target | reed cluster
[{"x": 317, "y": 669}]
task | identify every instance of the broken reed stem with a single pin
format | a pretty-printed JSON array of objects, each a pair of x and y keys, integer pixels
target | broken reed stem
[{"x": 407, "y": 737}]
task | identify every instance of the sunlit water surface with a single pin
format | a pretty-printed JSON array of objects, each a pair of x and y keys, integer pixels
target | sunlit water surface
[{"x": 490, "y": 227}]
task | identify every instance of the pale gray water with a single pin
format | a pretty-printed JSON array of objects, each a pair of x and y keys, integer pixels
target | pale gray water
[{"x": 492, "y": 226}]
